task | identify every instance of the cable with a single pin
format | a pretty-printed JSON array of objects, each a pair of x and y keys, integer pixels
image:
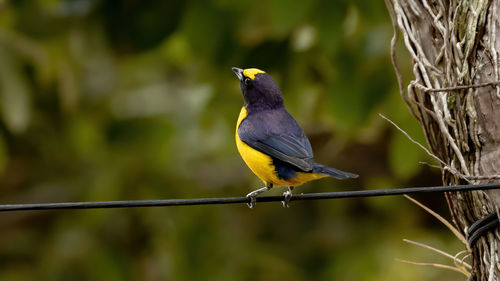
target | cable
[
  {"x": 233, "y": 200},
  {"x": 482, "y": 226}
]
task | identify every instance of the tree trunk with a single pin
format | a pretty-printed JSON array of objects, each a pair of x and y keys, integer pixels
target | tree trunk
[{"x": 456, "y": 98}]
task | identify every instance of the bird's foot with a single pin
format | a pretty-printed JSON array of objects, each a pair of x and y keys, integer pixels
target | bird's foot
[
  {"x": 287, "y": 196},
  {"x": 252, "y": 195}
]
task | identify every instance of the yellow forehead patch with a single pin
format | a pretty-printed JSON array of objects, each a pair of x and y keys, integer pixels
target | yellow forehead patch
[{"x": 251, "y": 72}]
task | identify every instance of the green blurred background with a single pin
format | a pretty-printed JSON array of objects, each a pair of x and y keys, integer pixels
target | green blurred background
[{"x": 118, "y": 100}]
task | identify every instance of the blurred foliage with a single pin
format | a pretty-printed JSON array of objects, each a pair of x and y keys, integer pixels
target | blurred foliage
[{"x": 112, "y": 100}]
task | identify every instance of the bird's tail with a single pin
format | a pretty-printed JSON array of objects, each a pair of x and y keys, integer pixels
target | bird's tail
[{"x": 332, "y": 172}]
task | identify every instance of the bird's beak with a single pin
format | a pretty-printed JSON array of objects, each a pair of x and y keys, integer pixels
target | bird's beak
[{"x": 238, "y": 72}]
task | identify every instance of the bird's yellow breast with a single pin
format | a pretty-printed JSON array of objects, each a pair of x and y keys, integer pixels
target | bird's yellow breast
[{"x": 262, "y": 165}]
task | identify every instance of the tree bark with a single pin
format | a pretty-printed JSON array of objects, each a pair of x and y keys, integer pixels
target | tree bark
[{"x": 456, "y": 43}]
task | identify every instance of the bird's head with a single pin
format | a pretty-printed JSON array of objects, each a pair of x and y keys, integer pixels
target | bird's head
[{"x": 259, "y": 89}]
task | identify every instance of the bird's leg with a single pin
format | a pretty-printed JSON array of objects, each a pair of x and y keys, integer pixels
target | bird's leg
[
  {"x": 287, "y": 197},
  {"x": 254, "y": 194}
]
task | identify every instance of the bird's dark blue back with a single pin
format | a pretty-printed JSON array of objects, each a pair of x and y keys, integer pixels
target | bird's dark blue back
[{"x": 276, "y": 133}]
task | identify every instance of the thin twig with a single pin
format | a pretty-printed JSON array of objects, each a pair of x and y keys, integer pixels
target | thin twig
[
  {"x": 438, "y": 265},
  {"x": 461, "y": 262},
  {"x": 394, "y": 40},
  {"x": 455, "y": 88},
  {"x": 448, "y": 168},
  {"x": 451, "y": 169},
  {"x": 454, "y": 258},
  {"x": 412, "y": 140},
  {"x": 441, "y": 219}
]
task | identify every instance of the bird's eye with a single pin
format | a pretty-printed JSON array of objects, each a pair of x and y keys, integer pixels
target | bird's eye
[{"x": 247, "y": 81}]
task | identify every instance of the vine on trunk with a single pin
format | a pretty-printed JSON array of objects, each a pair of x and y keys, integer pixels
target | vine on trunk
[{"x": 455, "y": 95}]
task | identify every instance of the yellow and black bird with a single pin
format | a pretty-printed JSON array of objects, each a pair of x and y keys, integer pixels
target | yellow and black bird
[{"x": 271, "y": 142}]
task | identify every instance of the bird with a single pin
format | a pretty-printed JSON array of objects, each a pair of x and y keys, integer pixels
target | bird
[{"x": 271, "y": 142}]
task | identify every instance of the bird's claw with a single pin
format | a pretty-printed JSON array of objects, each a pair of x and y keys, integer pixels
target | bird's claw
[
  {"x": 252, "y": 195},
  {"x": 287, "y": 196},
  {"x": 251, "y": 204}
]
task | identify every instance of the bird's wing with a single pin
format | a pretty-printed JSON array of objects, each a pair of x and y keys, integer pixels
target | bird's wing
[{"x": 279, "y": 136}]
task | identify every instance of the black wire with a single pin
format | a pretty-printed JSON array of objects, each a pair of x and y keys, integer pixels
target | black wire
[
  {"x": 482, "y": 226},
  {"x": 233, "y": 200},
  {"x": 481, "y": 222}
]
